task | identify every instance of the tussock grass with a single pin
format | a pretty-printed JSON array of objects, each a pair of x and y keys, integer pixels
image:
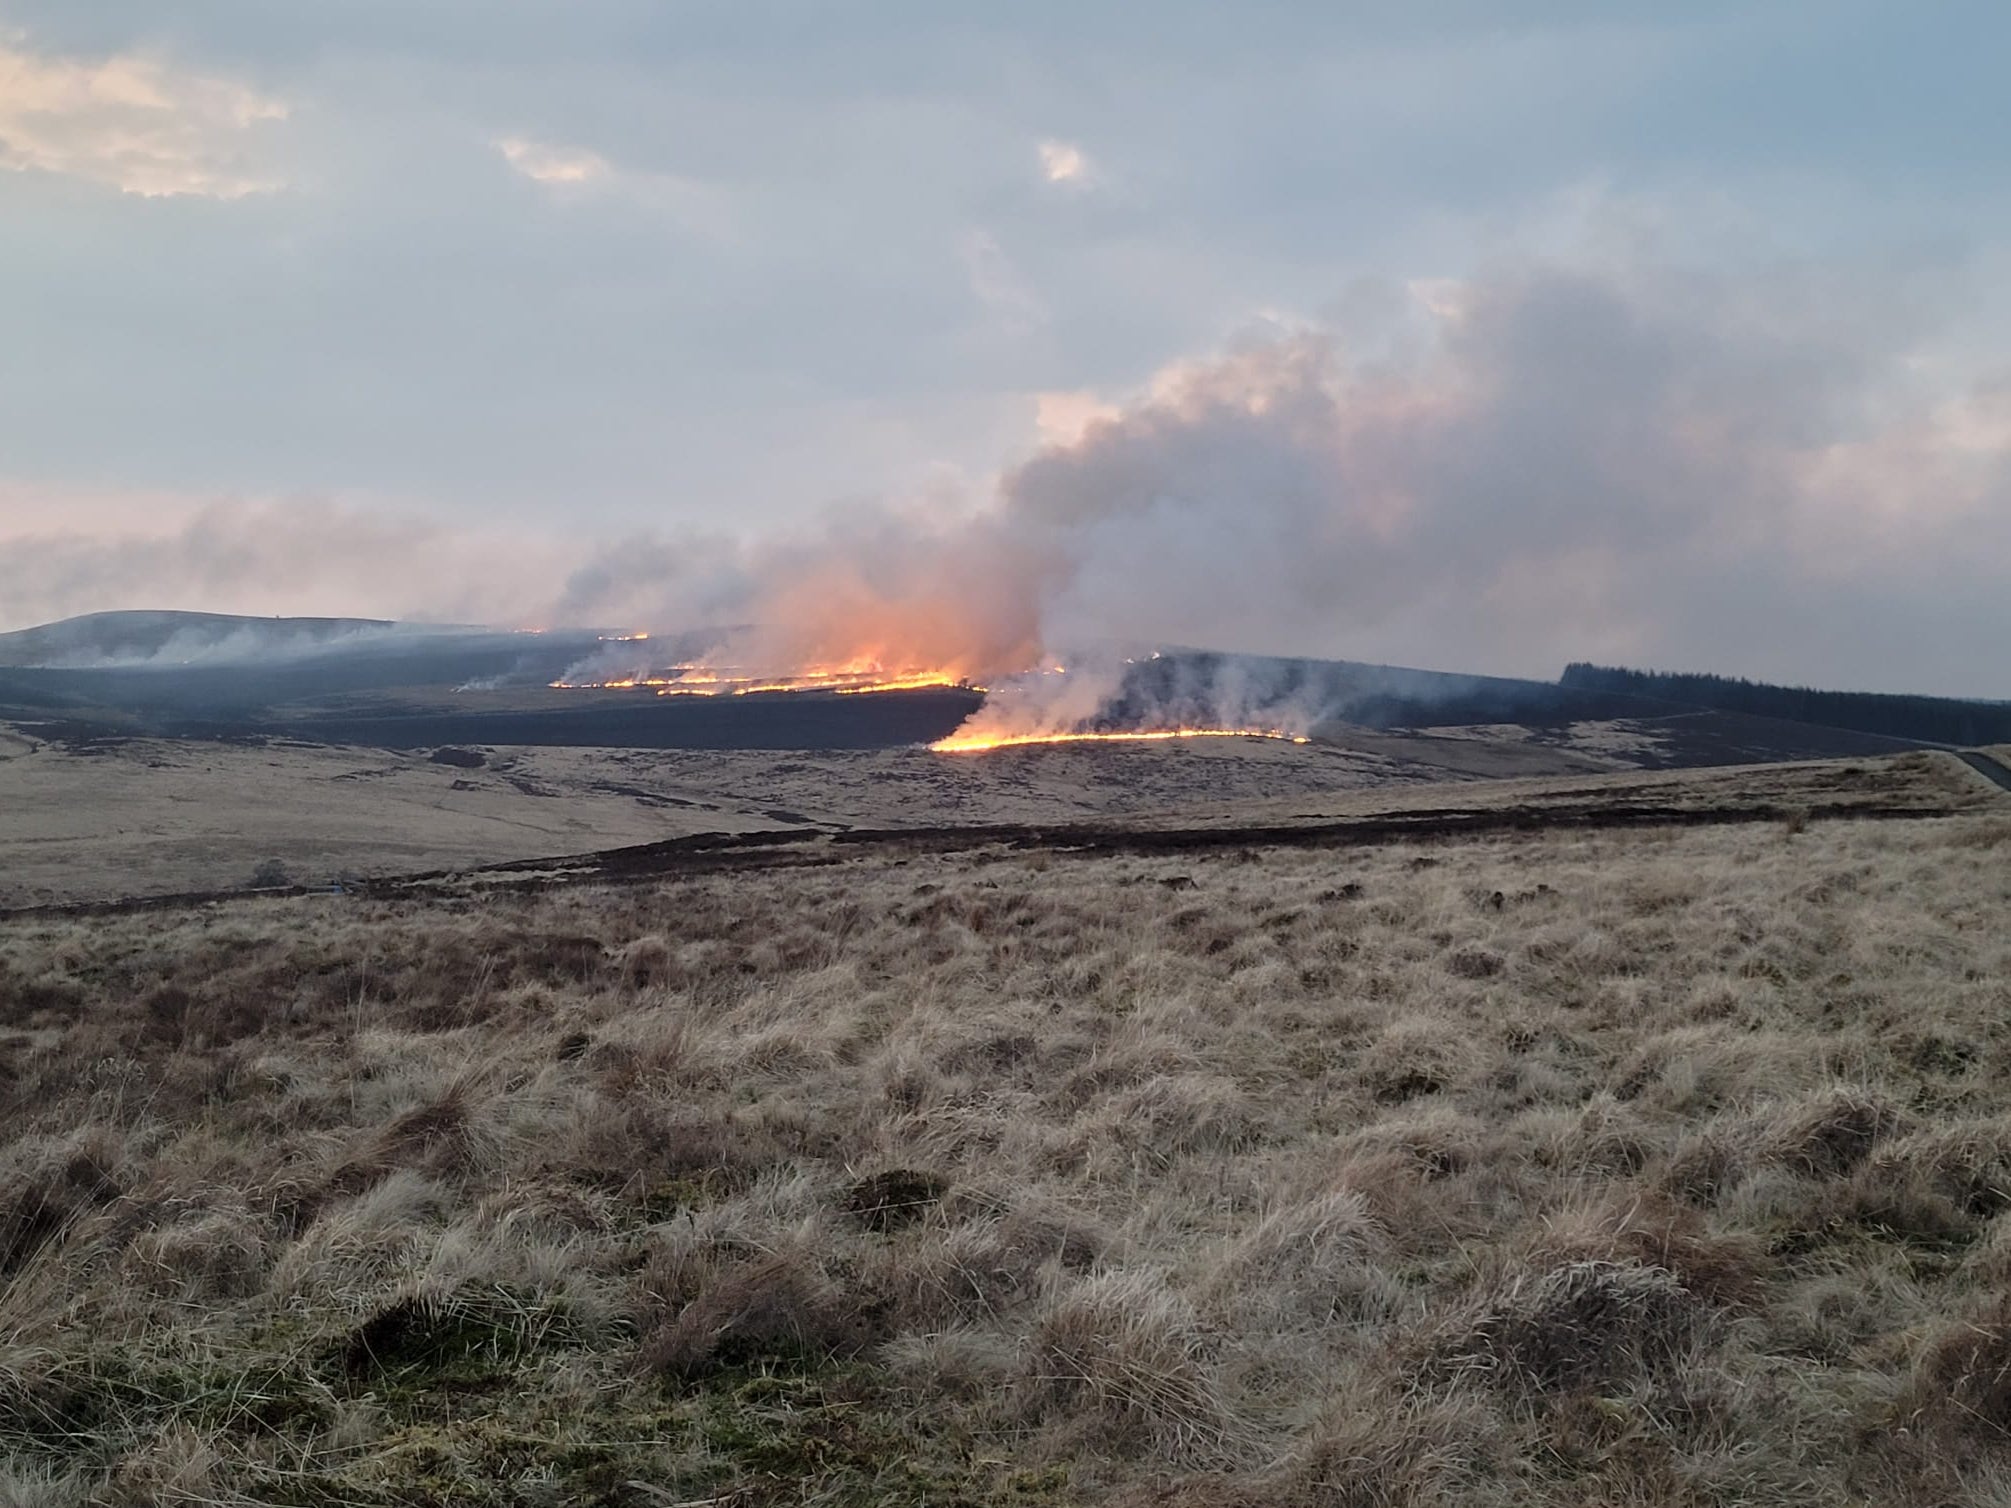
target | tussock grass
[{"x": 1575, "y": 1168}]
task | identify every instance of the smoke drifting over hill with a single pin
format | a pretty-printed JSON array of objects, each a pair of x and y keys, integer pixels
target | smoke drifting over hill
[
  {"x": 138, "y": 640},
  {"x": 72, "y": 555},
  {"x": 1546, "y": 463},
  {"x": 1639, "y": 464}
]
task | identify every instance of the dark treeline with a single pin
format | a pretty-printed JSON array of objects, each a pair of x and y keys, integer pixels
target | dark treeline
[{"x": 1931, "y": 719}]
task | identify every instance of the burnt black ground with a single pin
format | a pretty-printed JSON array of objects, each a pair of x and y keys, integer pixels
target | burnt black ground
[
  {"x": 1987, "y": 766},
  {"x": 642, "y": 720}
]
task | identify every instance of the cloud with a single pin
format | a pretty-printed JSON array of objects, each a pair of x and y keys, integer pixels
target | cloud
[
  {"x": 1063, "y": 162},
  {"x": 695, "y": 206},
  {"x": 544, "y": 162},
  {"x": 1063, "y": 418},
  {"x": 135, "y": 124},
  {"x": 998, "y": 284},
  {"x": 1443, "y": 297}
]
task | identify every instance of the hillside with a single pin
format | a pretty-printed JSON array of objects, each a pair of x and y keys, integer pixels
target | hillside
[{"x": 134, "y": 638}]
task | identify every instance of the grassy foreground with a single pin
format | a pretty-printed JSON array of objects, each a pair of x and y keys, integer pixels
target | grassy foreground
[{"x": 1643, "y": 1168}]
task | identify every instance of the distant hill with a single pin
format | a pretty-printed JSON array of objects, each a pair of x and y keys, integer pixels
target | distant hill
[
  {"x": 128, "y": 639},
  {"x": 1927, "y": 719},
  {"x": 171, "y": 672}
]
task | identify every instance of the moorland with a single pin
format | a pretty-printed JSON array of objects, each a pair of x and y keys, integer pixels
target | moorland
[{"x": 1293, "y": 1156}]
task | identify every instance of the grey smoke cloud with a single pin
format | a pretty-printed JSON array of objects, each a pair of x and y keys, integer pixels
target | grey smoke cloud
[{"x": 1633, "y": 464}]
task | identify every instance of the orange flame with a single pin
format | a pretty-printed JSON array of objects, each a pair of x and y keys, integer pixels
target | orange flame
[
  {"x": 864, "y": 676},
  {"x": 981, "y": 743},
  {"x": 624, "y": 683},
  {"x": 851, "y": 679}
]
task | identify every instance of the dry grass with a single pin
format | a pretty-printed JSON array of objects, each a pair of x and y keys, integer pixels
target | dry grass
[
  {"x": 1650, "y": 1168},
  {"x": 166, "y": 817}
]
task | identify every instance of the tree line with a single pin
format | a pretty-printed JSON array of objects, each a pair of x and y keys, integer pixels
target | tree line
[{"x": 1929, "y": 719}]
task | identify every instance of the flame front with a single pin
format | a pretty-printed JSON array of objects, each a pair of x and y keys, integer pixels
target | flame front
[
  {"x": 982, "y": 743},
  {"x": 850, "y": 679},
  {"x": 1044, "y": 705}
]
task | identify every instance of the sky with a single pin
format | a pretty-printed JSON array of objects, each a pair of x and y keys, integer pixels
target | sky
[{"x": 1476, "y": 336}]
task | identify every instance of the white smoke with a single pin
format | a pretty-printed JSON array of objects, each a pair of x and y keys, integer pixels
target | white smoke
[
  {"x": 1631, "y": 465},
  {"x": 96, "y": 644}
]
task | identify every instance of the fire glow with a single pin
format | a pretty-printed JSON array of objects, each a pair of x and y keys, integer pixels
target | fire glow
[
  {"x": 1029, "y": 709},
  {"x": 983, "y": 743},
  {"x": 842, "y": 680}
]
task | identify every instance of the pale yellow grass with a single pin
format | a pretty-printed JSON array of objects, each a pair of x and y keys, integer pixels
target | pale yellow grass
[
  {"x": 1561, "y": 1168},
  {"x": 1925, "y": 781},
  {"x": 154, "y": 817},
  {"x": 1507, "y": 751},
  {"x": 159, "y": 817}
]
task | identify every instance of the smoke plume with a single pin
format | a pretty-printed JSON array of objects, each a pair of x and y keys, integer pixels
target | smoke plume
[{"x": 1564, "y": 463}]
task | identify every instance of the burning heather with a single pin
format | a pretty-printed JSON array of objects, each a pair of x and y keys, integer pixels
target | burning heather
[
  {"x": 1094, "y": 703},
  {"x": 981, "y": 743},
  {"x": 1228, "y": 505},
  {"x": 739, "y": 664},
  {"x": 722, "y": 680},
  {"x": 1172, "y": 695},
  {"x": 1142, "y": 697}
]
